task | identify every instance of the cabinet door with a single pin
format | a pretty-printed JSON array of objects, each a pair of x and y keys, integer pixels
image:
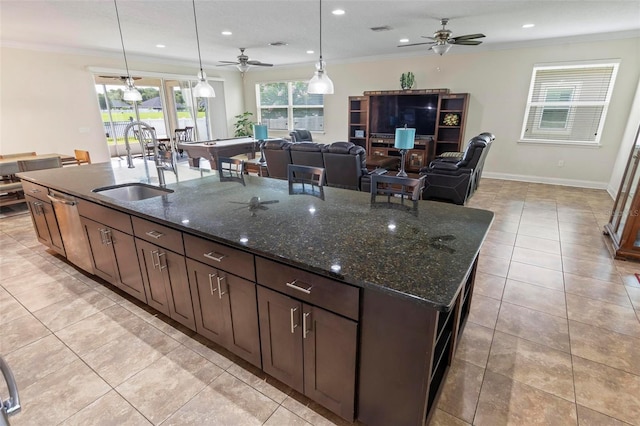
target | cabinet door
[
  {"x": 39, "y": 219},
  {"x": 330, "y": 359},
  {"x": 148, "y": 257},
  {"x": 242, "y": 314},
  {"x": 101, "y": 253},
  {"x": 177, "y": 287},
  {"x": 207, "y": 305},
  {"x": 281, "y": 337},
  {"x": 127, "y": 269}
]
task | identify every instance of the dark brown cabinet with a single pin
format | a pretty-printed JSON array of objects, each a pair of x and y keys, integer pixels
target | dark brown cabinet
[
  {"x": 164, "y": 274},
  {"x": 310, "y": 349},
  {"x": 452, "y": 114},
  {"x": 45, "y": 223},
  {"x": 114, "y": 257},
  {"x": 226, "y": 310}
]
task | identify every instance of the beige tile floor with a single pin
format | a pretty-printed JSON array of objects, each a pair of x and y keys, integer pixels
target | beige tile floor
[{"x": 553, "y": 337}]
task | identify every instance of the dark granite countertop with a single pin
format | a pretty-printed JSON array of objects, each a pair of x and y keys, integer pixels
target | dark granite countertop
[{"x": 423, "y": 256}]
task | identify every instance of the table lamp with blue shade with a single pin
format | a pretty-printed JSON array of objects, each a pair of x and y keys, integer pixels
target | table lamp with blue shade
[
  {"x": 260, "y": 134},
  {"x": 404, "y": 141}
]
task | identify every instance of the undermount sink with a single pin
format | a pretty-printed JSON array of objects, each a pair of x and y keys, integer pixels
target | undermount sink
[{"x": 132, "y": 191}]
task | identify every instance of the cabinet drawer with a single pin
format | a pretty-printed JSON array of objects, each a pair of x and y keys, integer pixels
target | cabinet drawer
[
  {"x": 333, "y": 295},
  {"x": 109, "y": 217},
  {"x": 220, "y": 256},
  {"x": 37, "y": 191},
  {"x": 159, "y": 235}
]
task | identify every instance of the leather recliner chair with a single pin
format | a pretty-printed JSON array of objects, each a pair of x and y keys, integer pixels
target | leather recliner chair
[
  {"x": 345, "y": 165},
  {"x": 301, "y": 135},
  {"x": 278, "y": 156},
  {"x": 307, "y": 154},
  {"x": 455, "y": 181}
]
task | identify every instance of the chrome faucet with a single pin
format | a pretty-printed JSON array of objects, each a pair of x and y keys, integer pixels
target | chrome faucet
[{"x": 161, "y": 164}]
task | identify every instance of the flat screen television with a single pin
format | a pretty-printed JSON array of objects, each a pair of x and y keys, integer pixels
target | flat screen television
[{"x": 389, "y": 112}]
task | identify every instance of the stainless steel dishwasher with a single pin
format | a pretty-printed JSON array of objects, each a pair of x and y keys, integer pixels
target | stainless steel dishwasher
[{"x": 73, "y": 237}]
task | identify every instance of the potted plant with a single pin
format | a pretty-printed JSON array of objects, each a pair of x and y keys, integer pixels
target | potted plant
[
  {"x": 407, "y": 80},
  {"x": 243, "y": 125}
]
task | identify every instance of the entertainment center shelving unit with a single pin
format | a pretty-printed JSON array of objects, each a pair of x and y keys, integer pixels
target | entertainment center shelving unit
[{"x": 445, "y": 133}]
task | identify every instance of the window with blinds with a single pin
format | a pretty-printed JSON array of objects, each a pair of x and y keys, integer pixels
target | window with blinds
[{"x": 568, "y": 103}]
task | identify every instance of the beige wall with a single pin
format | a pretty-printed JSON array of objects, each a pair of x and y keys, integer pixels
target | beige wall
[
  {"x": 498, "y": 82},
  {"x": 48, "y": 102}
]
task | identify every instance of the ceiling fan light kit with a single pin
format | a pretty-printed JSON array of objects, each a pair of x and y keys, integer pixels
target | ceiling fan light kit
[
  {"x": 130, "y": 94},
  {"x": 320, "y": 83},
  {"x": 203, "y": 89},
  {"x": 441, "y": 49}
]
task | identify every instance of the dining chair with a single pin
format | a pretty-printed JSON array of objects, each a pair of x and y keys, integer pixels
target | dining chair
[
  {"x": 306, "y": 180},
  {"x": 82, "y": 156},
  {"x": 230, "y": 169},
  {"x": 396, "y": 188},
  {"x": 39, "y": 164}
]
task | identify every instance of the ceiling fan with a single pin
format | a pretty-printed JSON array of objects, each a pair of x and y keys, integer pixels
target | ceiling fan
[
  {"x": 243, "y": 63},
  {"x": 442, "y": 41}
]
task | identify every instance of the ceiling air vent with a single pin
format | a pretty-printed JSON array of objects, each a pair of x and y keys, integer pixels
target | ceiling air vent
[
  {"x": 383, "y": 28},
  {"x": 278, "y": 43}
]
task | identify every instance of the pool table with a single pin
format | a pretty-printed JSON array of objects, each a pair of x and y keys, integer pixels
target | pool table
[{"x": 213, "y": 149}]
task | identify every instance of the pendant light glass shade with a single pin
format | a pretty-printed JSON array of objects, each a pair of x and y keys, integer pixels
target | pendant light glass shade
[
  {"x": 203, "y": 89},
  {"x": 441, "y": 49},
  {"x": 320, "y": 83},
  {"x": 130, "y": 94}
]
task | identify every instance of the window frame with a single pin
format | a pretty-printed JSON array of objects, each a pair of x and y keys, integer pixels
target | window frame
[
  {"x": 289, "y": 107},
  {"x": 573, "y": 106}
]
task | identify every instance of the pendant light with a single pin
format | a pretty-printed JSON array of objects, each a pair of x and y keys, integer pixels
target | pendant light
[
  {"x": 203, "y": 89},
  {"x": 130, "y": 91},
  {"x": 320, "y": 83}
]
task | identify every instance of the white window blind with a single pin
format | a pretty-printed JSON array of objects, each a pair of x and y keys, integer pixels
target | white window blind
[{"x": 568, "y": 103}]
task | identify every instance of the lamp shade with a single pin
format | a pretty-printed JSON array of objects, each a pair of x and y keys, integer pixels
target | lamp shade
[
  {"x": 260, "y": 131},
  {"x": 405, "y": 138},
  {"x": 320, "y": 83},
  {"x": 203, "y": 89},
  {"x": 131, "y": 94},
  {"x": 441, "y": 49}
]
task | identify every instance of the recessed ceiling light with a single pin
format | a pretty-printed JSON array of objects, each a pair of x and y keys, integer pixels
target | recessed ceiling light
[
  {"x": 528, "y": 25},
  {"x": 227, "y": 33},
  {"x": 160, "y": 46},
  {"x": 310, "y": 52},
  {"x": 338, "y": 12},
  {"x": 404, "y": 40}
]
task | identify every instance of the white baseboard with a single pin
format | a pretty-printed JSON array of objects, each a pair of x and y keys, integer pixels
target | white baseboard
[{"x": 550, "y": 181}]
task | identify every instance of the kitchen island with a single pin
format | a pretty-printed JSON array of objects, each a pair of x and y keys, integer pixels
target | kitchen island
[{"x": 357, "y": 307}]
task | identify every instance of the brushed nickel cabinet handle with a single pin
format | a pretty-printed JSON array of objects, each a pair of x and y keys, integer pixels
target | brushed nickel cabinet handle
[
  {"x": 155, "y": 234},
  {"x": 211, "y": 256},
  {"x": 293, "y": 326},
  {"x": 211, "y": 277},
  {"x": 160, "y": 265},
  {"x": 107, "y": 237},
  {"x": 153, "y": 261},
  {"x": 305, "y": 330},
  {"x": 220, "y": 292},
  {"x": 295, "y": 287}
]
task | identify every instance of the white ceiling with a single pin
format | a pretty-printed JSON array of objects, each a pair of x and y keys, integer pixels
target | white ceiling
[{"x": 90, "y": 25}]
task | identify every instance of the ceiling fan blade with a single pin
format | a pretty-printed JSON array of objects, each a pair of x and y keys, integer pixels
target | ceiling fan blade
[
  {"x": 465, "y": 42},
  {"x": 430, "y": 38},
  {"x": 229, "y": 62},
  {"x": 259, "y": 64},
  {"x": 469, "y": 36},
  {"x": 415, "y": 44}
]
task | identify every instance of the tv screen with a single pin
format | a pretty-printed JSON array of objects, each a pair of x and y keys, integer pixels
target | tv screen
[{"x": 389, "y": 112}]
